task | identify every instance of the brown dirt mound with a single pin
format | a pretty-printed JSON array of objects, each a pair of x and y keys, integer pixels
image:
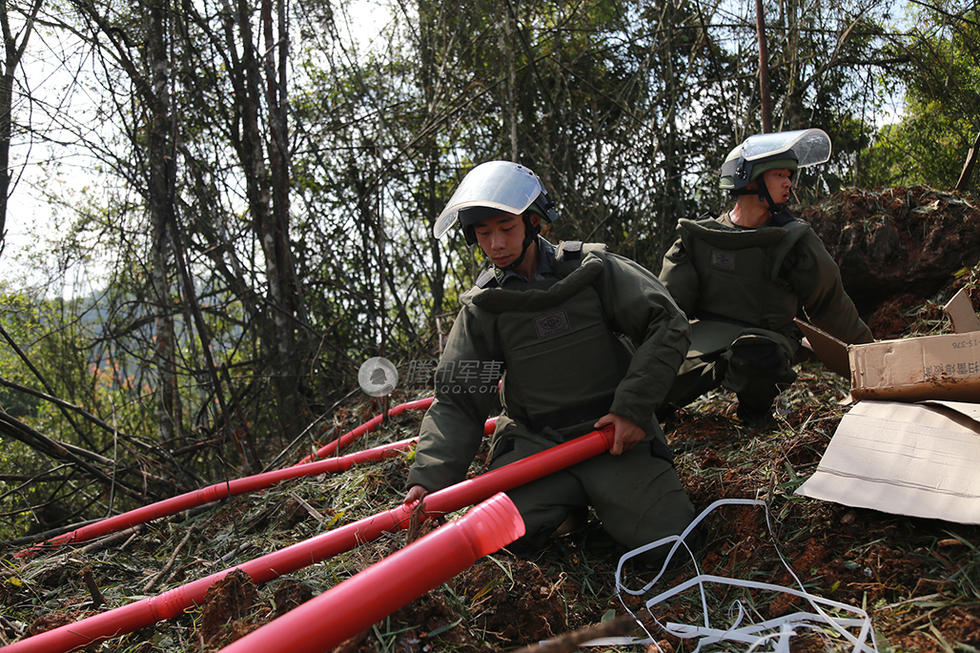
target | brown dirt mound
[
  {"x": 53, "y": 620},
  {"x": 225, "y": 604},
  {"x": 527, "y": 609},
  {"x": 897, "y": 242},
  {"x": 501, "y": 611},
  {"x": 289, "y": 594}
]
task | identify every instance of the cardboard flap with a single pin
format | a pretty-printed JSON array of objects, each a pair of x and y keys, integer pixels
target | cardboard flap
[
  {"x": 903, "y": 458},
  {"x": 961, "y": 313},
  {"x": 831, "y": 351},
  {"x": 966, "y": 409}
]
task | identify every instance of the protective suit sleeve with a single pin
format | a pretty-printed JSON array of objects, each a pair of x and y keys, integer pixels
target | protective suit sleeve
[
  {"x": 816, "y": 280},
  {"x": 452, "y": 427},
  {"x": 638, "y": 306},
  {"x": 680, "y": 277}
]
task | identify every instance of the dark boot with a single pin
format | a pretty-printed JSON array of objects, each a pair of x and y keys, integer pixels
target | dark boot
[{"x": 755, "y": 416}]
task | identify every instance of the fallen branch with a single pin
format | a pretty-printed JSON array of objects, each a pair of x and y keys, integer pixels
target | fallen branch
[
  {"x": 37, "y": 373},
  {"x": 40, "y": 537},
  {"x": 81, "y": 411},
  {"x": 569, "y": 642},
  {"x": 16, "y": 429},
  {"x": 160, "y": 451},
  {"x": 307, "y": 507},
  {"x": 106, "y": 542},
  {"x": 170, "y": 562}
]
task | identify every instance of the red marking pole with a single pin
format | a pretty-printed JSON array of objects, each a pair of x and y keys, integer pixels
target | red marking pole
[
  {"x": 366, "y": 427},
  {"x": 373, "y": 423},
  {"x": 173, "y": 602},
  {"x": 324, "y": 622},
  {"x": 216, "y": 492},
  {"x": 247, "y": 484}
]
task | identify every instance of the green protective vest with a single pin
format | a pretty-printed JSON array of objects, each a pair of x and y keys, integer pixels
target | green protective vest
[
  {"x": 563, "y": 363},
  {"x": 739, "y": 273}
]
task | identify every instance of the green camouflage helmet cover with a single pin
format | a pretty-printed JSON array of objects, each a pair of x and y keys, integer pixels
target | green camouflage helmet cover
[{"x": 780, "y": 150}]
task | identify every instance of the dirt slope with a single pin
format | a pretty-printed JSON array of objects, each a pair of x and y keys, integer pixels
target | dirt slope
[{"x": 897, "y": 247}]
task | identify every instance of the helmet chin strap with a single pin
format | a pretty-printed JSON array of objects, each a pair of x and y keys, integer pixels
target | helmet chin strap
[
  {"x": 530, "y": 235},
  {"x": 764, "y": 196},
  {"x": 778, "y": 215}
]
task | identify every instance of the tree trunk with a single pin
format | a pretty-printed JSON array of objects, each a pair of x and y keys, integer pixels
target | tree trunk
[
  {"x": 427, "y": 74},
  {"x": 766, "y": 108},
  {"x": 160, "y": 206},
  {"x": 286, "y": 299},
  {"x": 269, "y": 208},
  {"x": 13, "y": 51},
  {"x": 971, "y": 158}
]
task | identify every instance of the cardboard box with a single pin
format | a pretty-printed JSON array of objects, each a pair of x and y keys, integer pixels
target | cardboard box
[
  {"x": 928, "y": 367},
  {"x": 909, "y": 369},
  {"x": 917, "y": 459},
  {"x": 831, "y": 351},
  {"x": 961, "y": 314}
]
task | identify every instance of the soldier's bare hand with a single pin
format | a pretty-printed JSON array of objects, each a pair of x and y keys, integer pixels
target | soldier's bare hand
[
  {"x": 414, "y": 495},
  {"x": 626, "y": 434}
]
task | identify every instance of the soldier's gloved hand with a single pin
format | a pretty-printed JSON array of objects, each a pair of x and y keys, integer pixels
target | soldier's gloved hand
[
  {"x": 414, "y": 494},
  {"x": 626, "y": 434}
]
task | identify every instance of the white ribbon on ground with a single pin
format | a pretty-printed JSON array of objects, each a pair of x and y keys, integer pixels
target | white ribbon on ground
[{"x": 775, "y": 633}]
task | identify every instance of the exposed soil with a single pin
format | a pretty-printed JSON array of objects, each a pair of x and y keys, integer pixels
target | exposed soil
[
  {"x": 53, "y": 620},
  {"x": 526, "y": 605},
  {"x": 289, "y": 594},
  {"x": 225, "y": 604},
  {"x": 897, "y": 247}
]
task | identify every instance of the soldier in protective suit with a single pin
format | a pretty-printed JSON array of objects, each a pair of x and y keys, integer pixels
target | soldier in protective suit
[
  {"x": 584, "y": 338},
  {"x": 743, "y": 276}
]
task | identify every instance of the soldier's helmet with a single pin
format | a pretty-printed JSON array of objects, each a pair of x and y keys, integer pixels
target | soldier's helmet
[
  {"x": 492, "y": 188},
  {"x": 780, "y": 150}
]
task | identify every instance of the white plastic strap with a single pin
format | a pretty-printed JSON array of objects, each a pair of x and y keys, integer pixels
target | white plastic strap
[{"x": 775, "y": 633}]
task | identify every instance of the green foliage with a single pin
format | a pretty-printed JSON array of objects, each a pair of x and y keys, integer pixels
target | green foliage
[
  {"x": 941, "y": 76},
  {"x": 37, "y": 327}
]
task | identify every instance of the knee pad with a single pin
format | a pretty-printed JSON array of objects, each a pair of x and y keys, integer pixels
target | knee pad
[{"x": 756, "y": 355}]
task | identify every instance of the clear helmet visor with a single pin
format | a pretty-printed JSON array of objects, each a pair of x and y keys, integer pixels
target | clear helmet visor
[
  {"x": 808, "y": 146},
  {"x": 503, "y": 185}
]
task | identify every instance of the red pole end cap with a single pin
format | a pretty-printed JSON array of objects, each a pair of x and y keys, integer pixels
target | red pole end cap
[{"x": 493, "y": 524}]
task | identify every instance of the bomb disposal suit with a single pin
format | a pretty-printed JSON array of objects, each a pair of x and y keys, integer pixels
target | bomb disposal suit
[
  {"x": 742, "y": 287},
  {"x": 592, "y": 333}
]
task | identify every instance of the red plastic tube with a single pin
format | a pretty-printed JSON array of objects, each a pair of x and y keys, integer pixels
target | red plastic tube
[
  {"x": 216, "y": 492},
  {"x": 366, "y": 427},
  {"x": 220, "y": 491},
  {"x": 324, "y": 622},
  {"x": 173, "y": 602},
  {"x": 373, "y": 423}
]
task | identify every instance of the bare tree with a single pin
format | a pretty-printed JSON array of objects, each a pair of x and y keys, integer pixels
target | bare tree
[
  {"x": 160, "y": 206},
  {"x": 14, "y": 44}
]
